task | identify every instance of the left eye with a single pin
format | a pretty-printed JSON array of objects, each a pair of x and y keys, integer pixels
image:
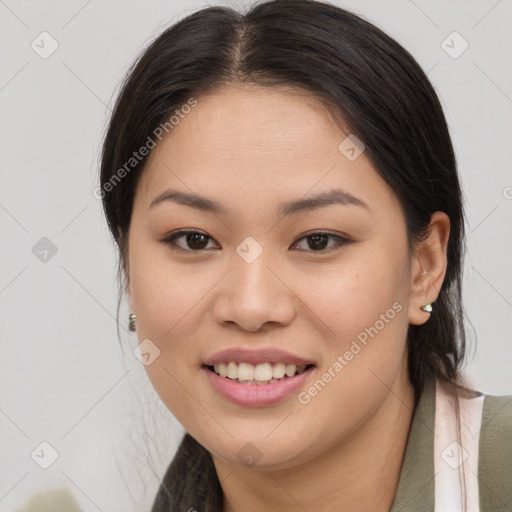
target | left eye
[
  {"x": 196, "y": 241},
  {"x": 318, "y": 241}
]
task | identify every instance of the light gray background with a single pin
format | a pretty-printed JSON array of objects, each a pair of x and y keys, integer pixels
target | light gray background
[{"x": 63, "y": 378}]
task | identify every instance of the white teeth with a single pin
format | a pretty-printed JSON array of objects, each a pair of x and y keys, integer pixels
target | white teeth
[
  {"x": 245, "y": 371},
  {"x": 262, "y": 373},
  {"x": 223, "y": 369},
  {"x": 257, "y": 382},
  {"x": 290, "y": 370},
  {"x": 232, "y": 370},
  {"x": 279, "y": 371}
]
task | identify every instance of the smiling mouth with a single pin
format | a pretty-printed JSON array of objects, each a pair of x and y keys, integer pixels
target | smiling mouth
[{"x": 260, "y": 374}]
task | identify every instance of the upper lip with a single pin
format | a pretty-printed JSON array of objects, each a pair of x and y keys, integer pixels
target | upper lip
[{"x": 264, "y": 355}]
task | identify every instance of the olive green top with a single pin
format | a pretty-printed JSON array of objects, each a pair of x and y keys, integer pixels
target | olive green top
[{"x": 416, "y": 485}]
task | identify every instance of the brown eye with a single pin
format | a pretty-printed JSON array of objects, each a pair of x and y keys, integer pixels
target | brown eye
[
  {"x": 318, "y": 242},
  {"x": 193, "y": 241}
]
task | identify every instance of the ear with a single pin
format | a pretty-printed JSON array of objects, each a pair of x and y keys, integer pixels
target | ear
[{"x": 428, "y": 268}]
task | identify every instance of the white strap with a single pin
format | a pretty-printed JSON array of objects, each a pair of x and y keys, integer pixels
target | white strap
[{"x": 450, "y": 457}]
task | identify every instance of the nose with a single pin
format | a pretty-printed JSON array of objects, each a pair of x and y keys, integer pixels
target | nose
[{"x": 253, "y": 295}]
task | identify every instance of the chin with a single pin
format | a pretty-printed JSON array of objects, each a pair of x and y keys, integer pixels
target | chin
[{"x": 259, "y": 451}]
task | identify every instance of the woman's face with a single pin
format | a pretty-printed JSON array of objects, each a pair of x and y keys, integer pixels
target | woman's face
[{"x": 267, "y": 183}]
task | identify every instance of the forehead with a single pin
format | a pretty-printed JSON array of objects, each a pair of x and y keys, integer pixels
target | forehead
[
  {"x": 249, "y": 121},
  {"x": 254, "y": 141}
]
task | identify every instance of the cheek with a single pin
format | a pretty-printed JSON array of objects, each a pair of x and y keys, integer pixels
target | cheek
[
  {"x": 361, "y": 307},
  {"x": 364, "y": 307},
  {"x": 350, "y": 297},
  {"x": 167, "y": 299},
  {"x": 166, "y": 295}
]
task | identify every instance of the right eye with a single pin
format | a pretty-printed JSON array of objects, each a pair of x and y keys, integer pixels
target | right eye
[{"x": 193, "y": 241}]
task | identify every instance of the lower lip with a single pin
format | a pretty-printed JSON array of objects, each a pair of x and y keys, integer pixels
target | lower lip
[{"x": 257, "y": 395}]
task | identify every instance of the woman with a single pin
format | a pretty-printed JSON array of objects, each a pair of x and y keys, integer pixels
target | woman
[{"x": 282, "y": 188}]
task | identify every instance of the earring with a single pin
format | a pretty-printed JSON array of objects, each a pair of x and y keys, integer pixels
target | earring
[
  {"x": 131, "y": 324},
  {"x": 427, "y": 308}
]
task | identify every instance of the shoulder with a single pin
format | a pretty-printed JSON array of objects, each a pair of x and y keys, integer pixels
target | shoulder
[
  {"x": 485, "y": 455},
  {"x": 495, "y": 453},
  {"x": 497, "y": 413},
  {"x": 496, "y": 426}
]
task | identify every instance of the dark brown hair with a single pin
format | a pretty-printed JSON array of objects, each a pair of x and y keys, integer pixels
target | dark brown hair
[{"x": 368, "y": 81}]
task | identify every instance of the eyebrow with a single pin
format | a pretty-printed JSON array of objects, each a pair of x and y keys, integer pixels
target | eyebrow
[{"x": 323, "y": 199}]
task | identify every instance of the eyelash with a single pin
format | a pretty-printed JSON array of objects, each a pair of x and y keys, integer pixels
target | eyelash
[{"x": 170, "y": 240}]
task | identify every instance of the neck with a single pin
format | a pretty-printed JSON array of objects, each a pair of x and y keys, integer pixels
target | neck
[{"x": 360, "y": 473}]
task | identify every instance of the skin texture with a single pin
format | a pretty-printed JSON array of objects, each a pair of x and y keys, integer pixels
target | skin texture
[{"x": 250, "y": 149}]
